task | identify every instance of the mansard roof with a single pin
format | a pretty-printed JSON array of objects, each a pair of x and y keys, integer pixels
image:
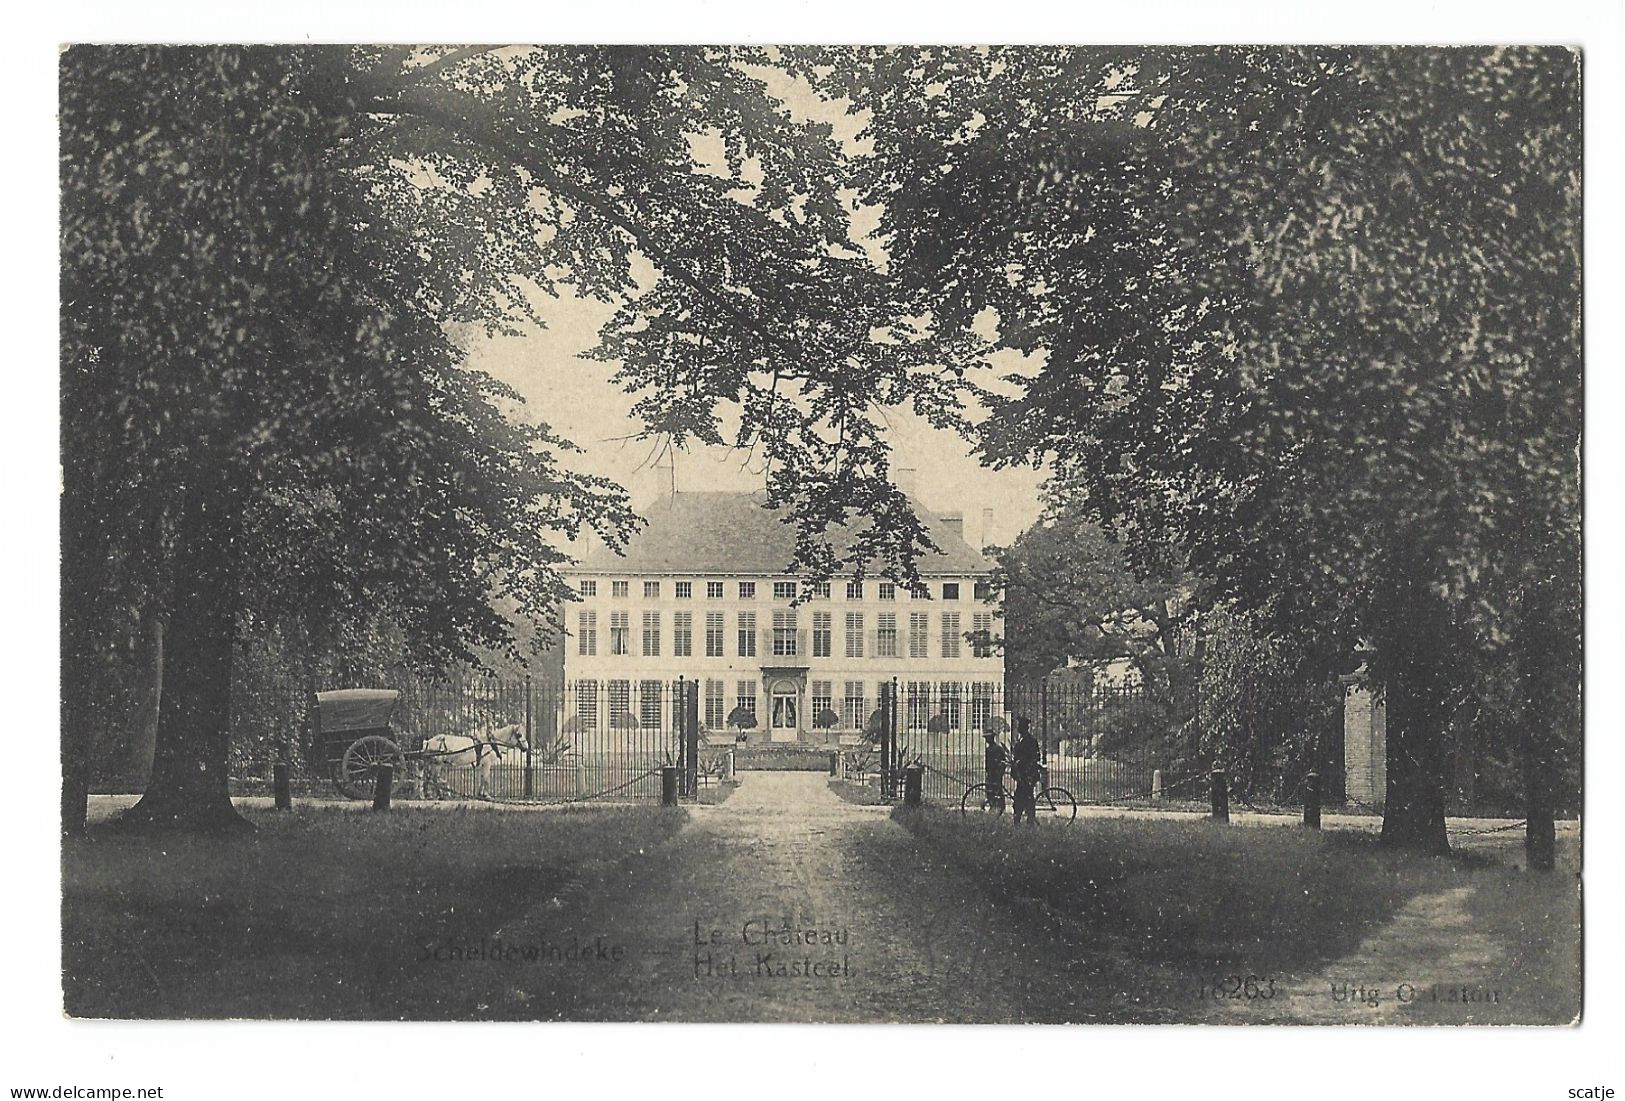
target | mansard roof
[{"x": 737, "y": 534}]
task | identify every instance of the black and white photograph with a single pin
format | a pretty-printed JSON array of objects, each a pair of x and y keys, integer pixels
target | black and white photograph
[{"x": 822, "y": 534}]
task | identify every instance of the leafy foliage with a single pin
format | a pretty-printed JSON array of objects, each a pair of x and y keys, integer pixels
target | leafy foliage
[
  {"x": 1070, "y": 593},
  {"x": 1308, "y": 316}
]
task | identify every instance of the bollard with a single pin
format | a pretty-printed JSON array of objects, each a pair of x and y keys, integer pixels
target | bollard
[
  {"x": 1156, "y": 784},
  {"x": 668, "y": 786},
  {"x": 834, "y": 764},
  {"x": 912, "y": 785},
  {"x": 1311, "y": 800},
  {"x": 728, "y": 767},
  {"x": 1221, "y": 797},
  {"x": 279, "y": 783},
  {"x": 383, "y": 780}
]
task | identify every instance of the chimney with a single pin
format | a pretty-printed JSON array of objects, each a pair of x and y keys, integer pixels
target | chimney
[
  {"x": 904, "y": 477},
  {"x": 954, "y": 522},
  {"x": 987, "y": 528}
]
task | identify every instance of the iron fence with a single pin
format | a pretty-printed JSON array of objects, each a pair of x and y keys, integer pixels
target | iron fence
[
  {"x": 600, "y": 738},
  {"x": 1103, "y": 744},
  {"x": 582, "y": 740}
]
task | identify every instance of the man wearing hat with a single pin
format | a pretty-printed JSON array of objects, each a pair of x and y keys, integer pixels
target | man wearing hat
[
  {"x": 1026, "y": 767},
  {"x": 995, "y": 759}
]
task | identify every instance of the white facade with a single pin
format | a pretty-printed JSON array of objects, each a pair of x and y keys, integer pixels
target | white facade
[{"x": 748, "y": 643}]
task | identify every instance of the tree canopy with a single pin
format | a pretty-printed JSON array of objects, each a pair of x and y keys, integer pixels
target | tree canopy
[
  {"x": 265, "y": 250},
  {"x": 1308, "y": 315}
]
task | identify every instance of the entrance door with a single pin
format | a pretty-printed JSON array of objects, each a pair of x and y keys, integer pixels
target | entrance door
[{"x": 785, "y": 725}]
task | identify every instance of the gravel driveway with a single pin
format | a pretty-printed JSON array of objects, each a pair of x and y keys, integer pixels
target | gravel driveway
[{"x": 787, "y": 904}]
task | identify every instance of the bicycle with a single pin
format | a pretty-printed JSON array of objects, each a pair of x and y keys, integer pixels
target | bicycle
[{"x": 1050, "y": 803}]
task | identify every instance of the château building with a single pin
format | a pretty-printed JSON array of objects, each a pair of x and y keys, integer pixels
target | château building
[{"x": 701, "y": 593}]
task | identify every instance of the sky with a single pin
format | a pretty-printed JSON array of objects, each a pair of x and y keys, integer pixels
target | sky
[{"x": 575, "y": 397}]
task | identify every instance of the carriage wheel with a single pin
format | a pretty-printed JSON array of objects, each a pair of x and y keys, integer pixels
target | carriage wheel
[{"x": 360, "y": 763}]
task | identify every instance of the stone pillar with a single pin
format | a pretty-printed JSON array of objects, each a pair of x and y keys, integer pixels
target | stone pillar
[{"x": 1365, "y": 739}]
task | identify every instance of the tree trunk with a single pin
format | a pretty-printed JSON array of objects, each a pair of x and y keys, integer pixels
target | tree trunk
[
  {"x": 84, "y": 584},
  {"x": 1417, "y": 715},
  {"x": 1540, "y": 829},
  {"x": 187, "y": 789},
  {"x": 78, "y": 716},
  {"x": 142, "y": 738}
]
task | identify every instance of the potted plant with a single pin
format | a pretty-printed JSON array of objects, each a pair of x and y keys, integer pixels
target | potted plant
[{"x": 742, "y": 719}]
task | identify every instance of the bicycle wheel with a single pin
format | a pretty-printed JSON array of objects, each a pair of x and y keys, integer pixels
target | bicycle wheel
[
  {"x": 975, "y": 801},
  {"x": 1059, "y": 803}
]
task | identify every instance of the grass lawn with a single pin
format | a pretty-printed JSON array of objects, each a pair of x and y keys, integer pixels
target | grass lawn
[
  {"x": 865, "y": 794},
  {"x": 322, "y": 913},
  {"x": 718, "y": 792},
  {"x": 1204, "y": 898}
]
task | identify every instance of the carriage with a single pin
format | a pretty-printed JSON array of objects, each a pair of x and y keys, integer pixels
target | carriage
[{"x": 353, "y": 736}]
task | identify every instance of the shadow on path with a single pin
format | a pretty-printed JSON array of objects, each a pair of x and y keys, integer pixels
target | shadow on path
[{"x": 895, "y": 935}]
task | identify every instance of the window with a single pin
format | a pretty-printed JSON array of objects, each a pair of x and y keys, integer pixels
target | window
[
  {"x": 982, "y": 591},
  {"x": 886, "y": 636},
  {"x": 587, "y": 705},
  {"x": 747, "y": 590},
  {"x": 618, "y": 588},
  {"x": 981, "y": 705},
  {"x": 950, "y": 590},
  {"x": 713, "y": 590},
  {"x": 682, "y": 634},
  {"x": 745, "y": 695},
  {"x": 919, "y": 593},
  {"x": 950, "y": 703},
  {"x": 784, "y": 634},
  {"x": 919, "y": 704},
  {"x": 854, "y": 590},
  {"x": 651, "y": 634},
  {"x": 620, "y": 632},
  {"x": 684, "y": 590},
  {"x": 919, "y": 632},
  {"x": 982, "y": 634},
  {"x": 823, "y": 699},
  {"x": 950, "y": 634},
  {"x": 649, "y": 704},
  {"x": 651, "y": 590},
  {"x": 852, "y": 710},
  {"x": 587, "y": 633},
  {"x": 747, "y": 634},
  {"x": 854, "y": 634},
  {"x": 713, "y": 634},
  {"x": 716, "y": 705},
  {"x": 784, "y": 590},
  {"x": 821, "y": 634},
  {"x": 821, "y": 590},
  {"x": 589, "y": 588},
  {"x": 888, "y": 590},
  {"x": 620, "y": 701}
]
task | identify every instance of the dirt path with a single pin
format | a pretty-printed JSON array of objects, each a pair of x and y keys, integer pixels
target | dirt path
[
  {"x": 700, "y": 930},
  {"x": 1428, "y": 965}
]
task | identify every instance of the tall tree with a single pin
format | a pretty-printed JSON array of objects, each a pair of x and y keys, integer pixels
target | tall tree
[
  {"x": 264, "y": 250},
  {"x": 1069, "y": 592},
  {"x": 262, "y": 413},
  {"x": 1310, "y": 314}
]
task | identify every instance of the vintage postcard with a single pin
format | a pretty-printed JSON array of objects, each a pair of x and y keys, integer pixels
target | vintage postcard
[{"x": 1018, "y": 534}]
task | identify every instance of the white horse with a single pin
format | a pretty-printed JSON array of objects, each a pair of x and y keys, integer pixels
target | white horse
[{"x": 445, "y": 755}]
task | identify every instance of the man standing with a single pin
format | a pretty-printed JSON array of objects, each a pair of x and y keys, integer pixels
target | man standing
[
  {"x": 995, "y": 759},
  {"x": 1026, "y": 767}
]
